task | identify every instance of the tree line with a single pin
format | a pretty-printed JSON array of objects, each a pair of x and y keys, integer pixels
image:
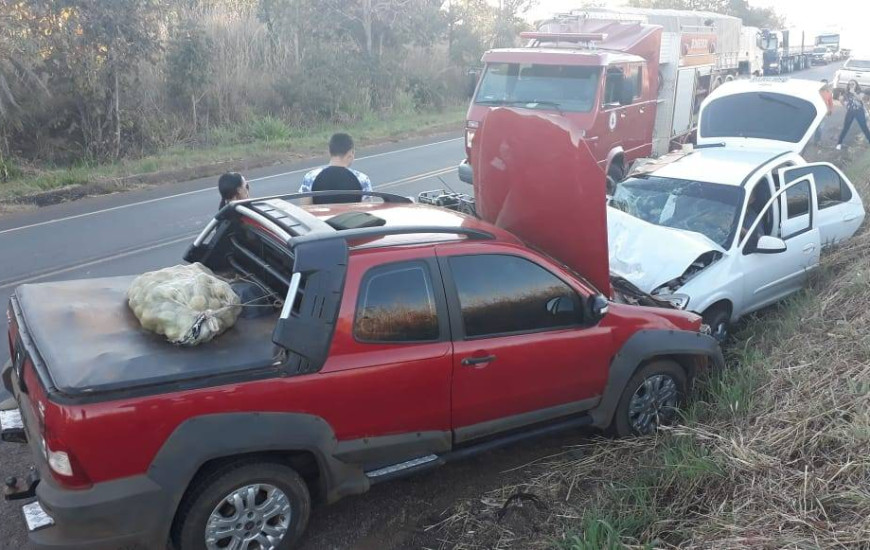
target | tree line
[{"x": 82, "y": 80}]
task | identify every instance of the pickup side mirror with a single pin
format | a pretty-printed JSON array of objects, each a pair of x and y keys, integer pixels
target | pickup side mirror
[
  {"x": 597, "y": 306},
  {"x": 769, "y": 245}
]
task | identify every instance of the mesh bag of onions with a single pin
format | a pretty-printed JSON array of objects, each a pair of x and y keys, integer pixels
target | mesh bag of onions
[{"x": 187, "y": 304}]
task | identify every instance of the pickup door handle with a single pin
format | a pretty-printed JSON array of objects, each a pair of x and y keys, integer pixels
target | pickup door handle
[
  {"x": 471, "y": 361},
  {"x": 849, "y": 217},
  {"x": 809, "y": 248}
]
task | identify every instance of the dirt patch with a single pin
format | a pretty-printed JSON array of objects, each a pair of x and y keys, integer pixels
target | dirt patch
[{"x": 105, "y": 186}]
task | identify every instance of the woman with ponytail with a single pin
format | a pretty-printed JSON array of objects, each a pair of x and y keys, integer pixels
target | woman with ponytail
[{"x": 233, "y": 187}]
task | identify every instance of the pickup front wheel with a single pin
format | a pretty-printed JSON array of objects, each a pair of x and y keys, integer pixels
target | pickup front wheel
[
  {"x": 244, "y": 506},
  {"x": 650, "y": 399}
]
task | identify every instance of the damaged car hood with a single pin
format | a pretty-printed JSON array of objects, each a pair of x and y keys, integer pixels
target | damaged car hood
[{"x": 650, "y": 255}]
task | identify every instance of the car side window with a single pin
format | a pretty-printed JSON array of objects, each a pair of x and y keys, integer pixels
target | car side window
[
  {"x": 613, "y": 85},
  {"x": 797, "y": 200},
  {"x": 831, "y": 190},
  {"x": 502, "y": 294},
  {"x": 635, "y": 75},
  {"x": 396, "y": 303}
]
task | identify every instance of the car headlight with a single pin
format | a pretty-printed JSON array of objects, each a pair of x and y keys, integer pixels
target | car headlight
[{"x": 679, "y": 301}]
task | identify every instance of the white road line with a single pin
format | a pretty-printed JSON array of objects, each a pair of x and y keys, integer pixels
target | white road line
[
  {"x": 207, "y": 189},
  {"x": 118, "y": 256},
  {"x": 154, "y": 246}
]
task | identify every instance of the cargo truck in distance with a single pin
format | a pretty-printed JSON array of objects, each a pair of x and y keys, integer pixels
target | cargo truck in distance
[
  {"x": 631, "y": 79},
  {"x": 830, "y": 41},
  {"x": 786, "y": 50}
]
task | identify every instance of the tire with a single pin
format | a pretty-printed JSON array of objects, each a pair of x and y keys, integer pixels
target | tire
[
  {"x": 207, "y": 498},
  {"x": 664, "y": 376},
  {"x": 718, "y": 318},
  {"x": 615, "y": 174}
]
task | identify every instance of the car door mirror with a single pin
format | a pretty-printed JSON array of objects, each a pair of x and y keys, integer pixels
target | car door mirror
[
  {"x": 597, "y": 306},
  {"x": 770, "y": 245}
]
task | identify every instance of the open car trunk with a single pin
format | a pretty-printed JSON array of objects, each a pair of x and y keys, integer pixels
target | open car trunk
[
  {"x": 764, "y": 114},
  {"x": 535, "y": 176},
  {"x": 88, "y": 342}
]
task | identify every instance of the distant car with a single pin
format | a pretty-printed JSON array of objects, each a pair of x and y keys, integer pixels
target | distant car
[
  {"x": 736, "y": 224},
  {"x": 857, "y": 69},
  {"x": 822, "y": 55}
]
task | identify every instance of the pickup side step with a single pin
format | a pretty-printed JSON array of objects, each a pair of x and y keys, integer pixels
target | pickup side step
[
  {"x": 428, "y": 462},
  {"x": 404, "y": 468},
  {"x": 12, "y": 427}
]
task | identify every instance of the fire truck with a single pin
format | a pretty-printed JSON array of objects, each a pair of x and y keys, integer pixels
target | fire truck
[{"x": 631, "y": 79}]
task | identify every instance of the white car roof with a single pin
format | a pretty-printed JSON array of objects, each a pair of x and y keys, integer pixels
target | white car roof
[{"x": 728, "y": 166}]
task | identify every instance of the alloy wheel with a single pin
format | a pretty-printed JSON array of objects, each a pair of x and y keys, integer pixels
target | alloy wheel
[
  {"x": 254, "y": 517},
  {"x": 653, "y": 404}
]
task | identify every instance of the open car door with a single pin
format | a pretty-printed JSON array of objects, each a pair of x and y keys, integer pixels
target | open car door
[
  {"x": 776, "y": 262},
  {"x": 764, "y": 114},
  {"x": 840, "y": 210},
  {"x": 535, "y": 176}
]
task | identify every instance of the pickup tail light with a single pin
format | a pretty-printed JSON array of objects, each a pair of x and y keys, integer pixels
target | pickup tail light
[{"x": 65, "y": 469}]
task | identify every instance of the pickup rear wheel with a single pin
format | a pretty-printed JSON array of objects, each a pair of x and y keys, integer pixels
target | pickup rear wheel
[
  {"x": 650, "y": 399},
  {"x": 244, "y": 506}
]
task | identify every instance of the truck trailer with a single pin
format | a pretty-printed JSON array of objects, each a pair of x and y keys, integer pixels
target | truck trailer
[{"x": 786, "y": 50}]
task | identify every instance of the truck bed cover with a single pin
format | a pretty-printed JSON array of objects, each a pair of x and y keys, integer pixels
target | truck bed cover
[{"x": 90, "y": 342}]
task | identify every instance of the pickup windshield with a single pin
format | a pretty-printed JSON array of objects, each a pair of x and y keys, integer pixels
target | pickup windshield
[
  {"x": 710, "y": 209},
  {"x": 552, "y": 87}
]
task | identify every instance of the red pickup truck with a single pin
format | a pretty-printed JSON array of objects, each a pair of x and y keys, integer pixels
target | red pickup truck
[{"x": 402, "y": 337}]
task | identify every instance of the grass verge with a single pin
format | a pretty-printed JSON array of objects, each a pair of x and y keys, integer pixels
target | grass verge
[
  {"x": 260, "y": 142},
  {"x": 774, "y": 452}
]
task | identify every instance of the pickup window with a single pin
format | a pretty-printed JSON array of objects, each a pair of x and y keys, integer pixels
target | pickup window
[
  {"x": 501, "y": 294},
  {"x": 397, "y": 304}
]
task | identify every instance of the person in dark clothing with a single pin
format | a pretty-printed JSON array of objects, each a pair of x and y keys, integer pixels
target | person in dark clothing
[
  {"x": 855, "y": 111},
  {"x": 233, "y": 187},
  {"x": 337, "y": 175}
]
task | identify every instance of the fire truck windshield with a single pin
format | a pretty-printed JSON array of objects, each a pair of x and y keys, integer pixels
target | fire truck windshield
[{"x": 567, "y": 88}]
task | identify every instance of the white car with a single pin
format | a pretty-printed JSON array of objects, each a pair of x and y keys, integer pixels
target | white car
[
  {"x": 857, "y": 68},
  {"x": 736, "y": 224}
]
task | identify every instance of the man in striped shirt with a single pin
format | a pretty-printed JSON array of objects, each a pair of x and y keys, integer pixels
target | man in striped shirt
[{"x": 337, "y": 175}]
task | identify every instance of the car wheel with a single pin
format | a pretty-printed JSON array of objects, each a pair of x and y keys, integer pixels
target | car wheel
[
  {"x": 719, "y": 321},
  {"x": 651, "y": 398},
  {"x": 615, "y": 174},
  {"x": 250, "y": 505}
]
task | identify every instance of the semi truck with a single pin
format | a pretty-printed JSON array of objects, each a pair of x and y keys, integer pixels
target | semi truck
[
  {"x": 632, "y": 79},
  {"x": 786, "y": 50},
  {"x": 831, "y": 41}
]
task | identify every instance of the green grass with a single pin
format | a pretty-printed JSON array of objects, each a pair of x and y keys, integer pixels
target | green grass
[{"x": 261, "y": 137}]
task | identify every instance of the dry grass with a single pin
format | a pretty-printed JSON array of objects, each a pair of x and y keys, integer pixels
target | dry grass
[{"x": 774, "y": 453}]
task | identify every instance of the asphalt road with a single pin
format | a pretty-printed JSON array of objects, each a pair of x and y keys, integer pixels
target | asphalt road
[{"x": 138, "y": 231}]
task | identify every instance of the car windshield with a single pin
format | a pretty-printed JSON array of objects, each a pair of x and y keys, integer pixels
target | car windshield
[
  {"x": 858, "y": 64},
  {"x": 552, "y": 87},
  {"x": 710, "y": 209}
]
